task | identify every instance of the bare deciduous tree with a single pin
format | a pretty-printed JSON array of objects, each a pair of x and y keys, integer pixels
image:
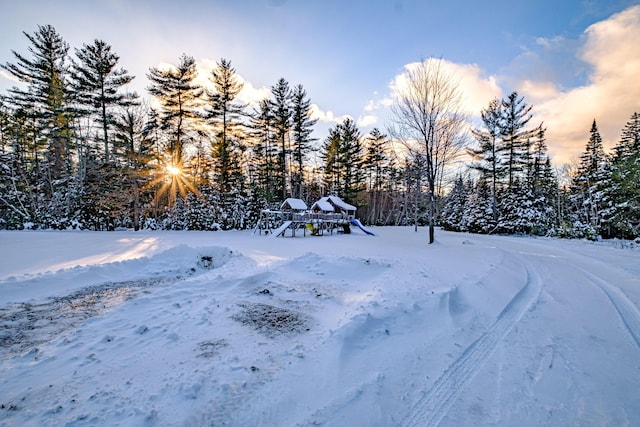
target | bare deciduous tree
[{"x": 427, "y": 117}]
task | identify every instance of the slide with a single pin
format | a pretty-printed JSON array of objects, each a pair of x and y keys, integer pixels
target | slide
[
  {"x": 278, "y": 231},
  {"x": 361, "y": 227}
]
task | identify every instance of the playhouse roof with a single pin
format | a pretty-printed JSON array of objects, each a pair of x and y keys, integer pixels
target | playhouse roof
[
  {"x": 323, "y": 205},
  {"x": 337, "y": 201},
  {"x": 295, "y": 204}
]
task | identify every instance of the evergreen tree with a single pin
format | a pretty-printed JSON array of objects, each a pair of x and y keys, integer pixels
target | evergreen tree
[
  {"x": 452, "y": 215},
  {"x": 138, "y": 151},
  {"x": 5, "y": 125},
  {"x": 539, "y": 158},
  {"x": 477, "y": 217},
  {"x": 301, "y": 129},
  {"x": 179, "y": 98},
  {"x": 516, "y": 114},
  {"x": 263, "y": 171},
  {"x": 46, "y": 98},
  {"x": 589, "y": 183},
  {"x": 225, "y": 114},
  {"x": 343, "y": 155},
  {"x": 629, "y": 144},
  {"x": 487, "y": 159},
  {"x": 623, "y": 216},
  {"x": 330, "y": 151},
  {"x": 281, "y": 113},
  {"x": 98, "y": 83},
  {"x": 377, "y": 165},
  {"x": 351, "y": 156}
]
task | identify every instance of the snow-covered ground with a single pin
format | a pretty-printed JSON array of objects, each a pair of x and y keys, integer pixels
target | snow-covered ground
[{"x": 231, "y": 328}]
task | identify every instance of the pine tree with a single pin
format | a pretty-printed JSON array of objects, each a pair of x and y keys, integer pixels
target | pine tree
[
  {"x": 281, "y": 113},
  {"x": 179, "y": 97},
  {"x": 377, "y": 164},
  {"x": 129, "y": 125},
  {"x": 477, "y": 217},
  {"x": 590, "y": 181},
  {"x": 624, "y": 191},
  {"x": 487, "y": 159},
  {"x": 98, "y": 83},
  {"x": 539, "y": 158},
  {"x": 351, "y": 156},
  {"x": 343, "y": 156},
  {"x": 630, "y": 139},
  {"x": 225, "y": 114},
  {"x": 451, "y": 217},
  {"x": 263, "y": 173},
  {"x": 330, "y": 152},
  {"x": 5, "y": 124},
  {"x": 301, "y": 140},
  {"x": 47, "y": 97},
  {"x": 516, "y": 114}
]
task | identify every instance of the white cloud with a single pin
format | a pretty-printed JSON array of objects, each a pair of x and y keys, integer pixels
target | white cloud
[
  {"x": 535, "y": 92},
  {"x": 549, "y": 42},
  {"x": 249, "y": 94},
  {"x": 610, "y": 96},
  {"x": 476, "y": 88},
  {"x": 326, "y": 116},
  {"x": 367, "y": 120}
]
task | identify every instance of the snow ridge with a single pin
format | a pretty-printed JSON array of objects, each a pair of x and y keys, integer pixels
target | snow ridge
[
  {"x": 627, "y": 311},
  {"x": 433, "y": 406}
]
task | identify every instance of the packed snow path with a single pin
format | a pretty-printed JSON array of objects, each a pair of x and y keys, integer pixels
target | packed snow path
[
  {"x": 430, "y": 409},
  {"x": 232, "y": 329}
]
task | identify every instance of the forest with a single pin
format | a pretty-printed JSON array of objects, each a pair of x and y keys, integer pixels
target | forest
[{"x": 78, "y": 150}]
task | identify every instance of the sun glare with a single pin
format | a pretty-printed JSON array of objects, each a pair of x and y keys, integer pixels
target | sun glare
[
  {"x": 169, "y": 182},
  {"x": 173, "y": 171}
]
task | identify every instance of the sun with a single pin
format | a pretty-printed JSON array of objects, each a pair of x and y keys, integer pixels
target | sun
[
  {"x": 170, "y": 181},
  {"x": 173, "y": 170}
]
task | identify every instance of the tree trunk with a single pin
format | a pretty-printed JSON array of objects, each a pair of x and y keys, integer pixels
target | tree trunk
[{"x": 431, "y": 214}]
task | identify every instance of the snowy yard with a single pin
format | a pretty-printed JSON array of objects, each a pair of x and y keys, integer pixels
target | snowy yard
[{"x": 231, "y": 328}]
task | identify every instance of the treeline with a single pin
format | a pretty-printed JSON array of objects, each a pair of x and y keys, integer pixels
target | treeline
[
  {"x": 516, "y": 190},
  {"x": 79, "y": 150}
]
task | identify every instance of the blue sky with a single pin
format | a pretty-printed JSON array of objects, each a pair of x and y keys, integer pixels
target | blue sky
[{"x": 566, "y": 57}]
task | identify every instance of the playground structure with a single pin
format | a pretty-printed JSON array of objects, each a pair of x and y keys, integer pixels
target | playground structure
[{"x": 327, "y": 215}]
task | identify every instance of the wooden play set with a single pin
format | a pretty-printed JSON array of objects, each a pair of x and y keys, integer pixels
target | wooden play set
[{"x": 327, "y": 215}]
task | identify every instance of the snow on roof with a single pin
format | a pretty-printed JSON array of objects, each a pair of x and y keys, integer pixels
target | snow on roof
[
  {"x": 295, "y": 204},
  {"x": 323, "y": 205},
  {"x": 341, "y": 204}
]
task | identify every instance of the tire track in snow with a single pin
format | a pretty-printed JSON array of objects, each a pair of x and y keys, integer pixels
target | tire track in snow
[
  {"x": 627, "y": 311},
  {"x": 433, "y": 406}
]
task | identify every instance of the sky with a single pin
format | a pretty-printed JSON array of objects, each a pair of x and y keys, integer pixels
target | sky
[{"x": 574, "y": 60}]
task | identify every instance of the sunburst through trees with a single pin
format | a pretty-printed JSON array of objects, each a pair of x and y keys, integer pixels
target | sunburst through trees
[{"x": 170, "y": 181}]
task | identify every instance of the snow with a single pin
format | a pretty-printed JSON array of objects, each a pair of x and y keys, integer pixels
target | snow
[
  {"x": 231, "y": 328},
  {"x": 337, "y": 201},
  {"x": 322, "y": 205},
  {"x": 295, "y": 204}
]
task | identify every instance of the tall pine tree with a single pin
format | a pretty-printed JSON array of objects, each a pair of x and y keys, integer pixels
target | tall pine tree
[
  {"x": 281, "y": 113},
  {"x": 179, "y": 97},
  {"x": 624, "y": 191},
  {"x": 46, "y": 98},
  {"x": 589, "y": 182},
  {"x": 487, "y": 159},
  {"x": 98, "y": 85},
  {"x": 516, "y": 114},
  {"x": 301, "y": 140},
  {"x": 224, "y": 113}
]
